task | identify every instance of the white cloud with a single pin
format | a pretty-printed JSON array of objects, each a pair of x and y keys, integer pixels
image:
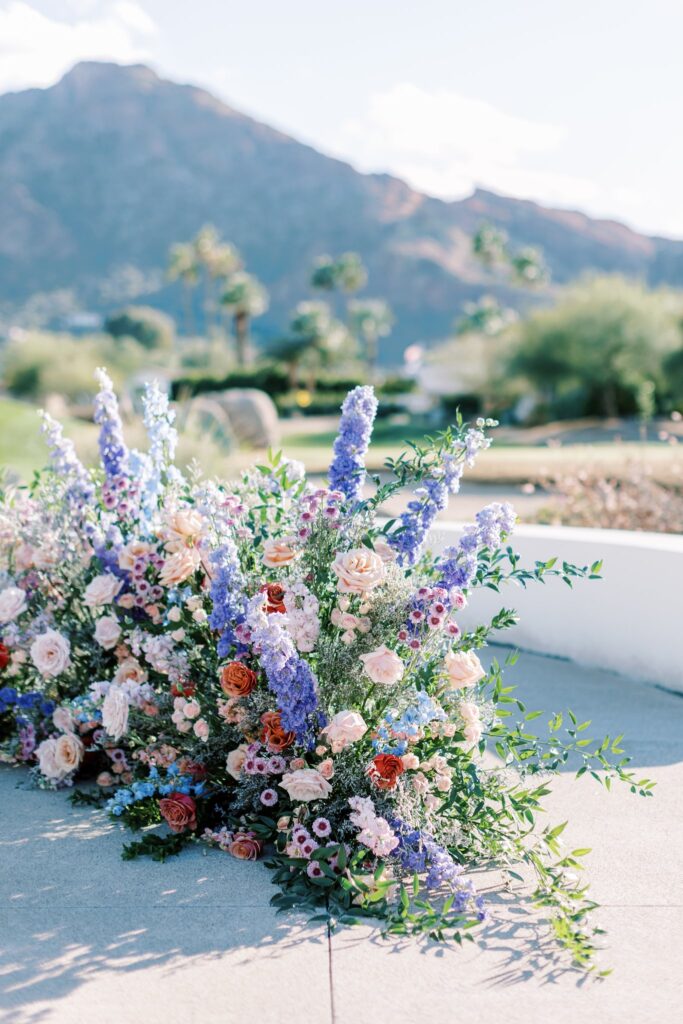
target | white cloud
[
  {"x": 445, "y": 144},
  {"x": 37, "y": 50}
]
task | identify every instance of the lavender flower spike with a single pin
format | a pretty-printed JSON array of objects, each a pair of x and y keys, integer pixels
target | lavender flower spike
[
  {"x": 156, "y": 468},
  {"x": 227, "y": 595},
  {"x": 66, "y": 464},
  {"x": 113, "y": 450},
  {"x": 347, "y": 471}
]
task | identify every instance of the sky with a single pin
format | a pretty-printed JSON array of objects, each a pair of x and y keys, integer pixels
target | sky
[{"x": 575, "y": 104}]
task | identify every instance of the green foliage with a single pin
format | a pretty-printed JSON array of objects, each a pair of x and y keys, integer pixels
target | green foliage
[
  {"x": 595, "y": 350},
  {"x": 345, "y": 272},
  {"x": 159, "y": 848},
  {"x": 43, "y": 363},
  {"x": 150, "y": 327}
]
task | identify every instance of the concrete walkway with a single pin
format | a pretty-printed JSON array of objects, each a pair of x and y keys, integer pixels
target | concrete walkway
[{"x": 85, "y": 937}]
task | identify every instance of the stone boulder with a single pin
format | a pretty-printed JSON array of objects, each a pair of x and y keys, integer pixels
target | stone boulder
[{"x": 252, "y": 416}]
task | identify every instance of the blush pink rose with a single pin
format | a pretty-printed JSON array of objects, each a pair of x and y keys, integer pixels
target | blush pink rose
[
  {"x": 345, "y": 728},
  {"x": 50, "y": 653},
  {"x": 358, "y": 571},
  {"x": 383, "y": 666},
  {"x": 305, "y": 785},
  {"x": 463, "y": 669},
  {"x": 279, "y": 552},
  {"x": 102, "y": 590}
]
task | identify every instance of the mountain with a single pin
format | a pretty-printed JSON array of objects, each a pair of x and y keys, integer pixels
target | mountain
[{"x": 100, "y": 173}]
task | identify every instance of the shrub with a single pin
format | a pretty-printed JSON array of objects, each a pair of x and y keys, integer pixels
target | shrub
[{"x": 150, "y": 327}]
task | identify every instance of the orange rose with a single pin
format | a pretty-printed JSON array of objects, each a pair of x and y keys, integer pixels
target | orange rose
[
  {"x": 245, "y": 846},
  {"x": 179, "y": 812},
  {"x": 237, "y": 679},
  {"x": 273, "y": 735},
  {"x": 385, "y": 770}
]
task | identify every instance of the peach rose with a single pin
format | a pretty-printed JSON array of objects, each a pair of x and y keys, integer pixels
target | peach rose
[
  {"x": 305, "y": 785},
  {"x": 463, "y": 669},
  {"x": 102, "y": 590},
  {"x": 279, "y": 552},
  {"x": 107, "y": 632},
  {"x": 129, "y": 554},
  {"x": 237, "y": 679},
  {"x": 469, "y": 711},
  {"x": 130, "y": 671},
  {"x": 68, "y": 753},
  {"x": 183, "y": 529},
  {"x": 50, "y": 653},
  {"x": 235, "y": 760},
  {"x": 359, "y": 571},
  {"x": 12, "y": 604},
  {"x": 179, "y": 567},
  {"x": 345, "y": 728},
  {"x": 179, "y": 811},
  {"x": 245, "y": 846},
  {"x": 383, "y": 666},
  {"x": 473, "y": 732},
  {"x": 326, "y": 768}
]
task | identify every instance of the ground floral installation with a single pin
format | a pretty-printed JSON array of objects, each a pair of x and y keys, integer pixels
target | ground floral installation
[{"x": 267, "y": 668}]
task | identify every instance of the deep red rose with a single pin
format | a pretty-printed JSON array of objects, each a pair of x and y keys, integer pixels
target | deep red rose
[
  {"x": 275, "y": 595},
  {"x": 385, "y": 770},
  {"x": 4, "y": 657},
  {"x": 179, "y": 812},
  {"x": 197, "y": 771},
  {"x": 183, "y": 689},
  {"x": 273, "y": 735}
]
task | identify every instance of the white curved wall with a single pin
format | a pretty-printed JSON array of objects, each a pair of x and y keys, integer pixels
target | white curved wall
[{"x": 630, "y": 621}]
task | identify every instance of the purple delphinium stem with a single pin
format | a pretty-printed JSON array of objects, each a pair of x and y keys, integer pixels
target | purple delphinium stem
[
  {"x": 227, "y": 595},
  {"x": 113, "y": 450},
  {"x": 66, "y": 464},
  {"x": 347, "y": 470}
]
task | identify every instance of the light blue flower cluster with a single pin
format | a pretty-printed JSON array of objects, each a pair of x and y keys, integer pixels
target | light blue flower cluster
[
  {"x": 113, "y": 450},
  {"x": 347, "y": 471},
  {"x": 433, "y": 494},
  {"x": 155, "y": 785},
  {"x": 156, "y": 467},
  {"x": 228, "y": 595},
  {"x": 407, "y": 724},
  {"x": 289, "y": 677},
  {"x": 457, "y": 565},
  {"x": 67, "y": 465}
]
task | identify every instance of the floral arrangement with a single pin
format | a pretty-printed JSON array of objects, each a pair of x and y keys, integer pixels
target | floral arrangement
[{"x": 268, "y": 668}]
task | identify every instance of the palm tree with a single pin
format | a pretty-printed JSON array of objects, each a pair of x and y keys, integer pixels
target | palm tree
[
  {"x": 245, "y": 297},
  {"x": 370, "y": 320},
  {"x": 346, "y": 272},
  {"x": 315, "y": 336},
  {"x": 183, "y": 267}
]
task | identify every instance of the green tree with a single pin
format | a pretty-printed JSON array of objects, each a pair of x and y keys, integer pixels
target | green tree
[
  {"x": 314, "y": 340},
  {"x": 346, "y": 272},
  {"x": 150, "y": 327},
  {"x": 183, "y": 267},
  {"x": 485, "y": 316},
  {"x": 370, "y": 320},
  {"x": 245, "y": 298},
  {"x": 598, "y": 345}
]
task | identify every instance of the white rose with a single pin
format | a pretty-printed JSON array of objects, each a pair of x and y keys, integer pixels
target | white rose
[
  {"x": 469, "y": 711},
  {"x": 472, "y": 732},
  {"x": 306, "y": 784},
  {"x": 115, "y": 712},
  {"x": 235, "y": 760},
  {"x": 46, "y": 760},
  {"x": 344, "y": 729},
  {"x": 359, "y": 570},
  {"x": 102, "y": 590},
  {"x": 107, "y": 632},
  {"x": 62, "y": 720},
  {"x": 68, "y": 753},
  {"x": 383, "y": 666},
  {"x": 12, "y": 603},
  {"x": 279, "y": 552},
  {"x": 463, "y": 669},
  {"x": 50, "y": 653}
]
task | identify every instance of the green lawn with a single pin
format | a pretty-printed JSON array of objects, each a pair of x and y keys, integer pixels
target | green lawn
[{"x": 22, "y": 450}]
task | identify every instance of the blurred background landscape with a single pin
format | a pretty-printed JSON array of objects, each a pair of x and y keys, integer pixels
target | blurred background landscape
[{"x": 150, "y": 226}]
